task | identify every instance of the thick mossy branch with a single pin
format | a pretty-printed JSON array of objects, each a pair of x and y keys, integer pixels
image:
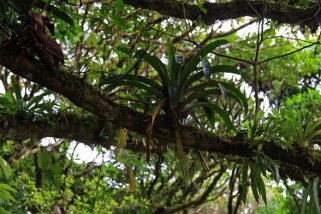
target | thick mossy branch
[
  {"x": 275, "y": 10},
  {"x": 86, "y": 129}
]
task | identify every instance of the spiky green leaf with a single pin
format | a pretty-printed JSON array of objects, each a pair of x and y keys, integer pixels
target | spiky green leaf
[{"x": 190, "y": 66}]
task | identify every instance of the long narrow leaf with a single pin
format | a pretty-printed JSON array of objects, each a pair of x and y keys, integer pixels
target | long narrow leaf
[
  {"x": 142, "y": 79},
  {"x": 157, "y": 65},
  {"x": 232, "y": 178},
  {"x": 35, "y": 100},
  {"x": 173, "y": 96},
  {"x": 209, "y": 115},
  {"x": 305, "y": 198},
  {"x": 230, "y": 90},
  {"x": 5, "y": 167},
  {"x": 202, "y": 86},
  {"x": 312, "y": 130},
  {"x": 238, "y": 95},
  {"x": 17, "y": 91},
  {"x": 173, "y": 66},
  {"x": 153, "y": 61},
  {"x": 254, "y": 183},
  {"x": 41, "y": 107},
  {"x": 223, "y": 90},
  {"x": 312, "y": 126},
  {"x": 6, "y": 100},
  {"x": 215, "y": 69},
  {"x": 315, "y": 188},
  {"x": 17, "y": 88},
  {"x": 276, "y": 172},
  {"x": 208, "y": 111},
  {"x": 190, "y": 66},
  {"x": 136, "y": 84},
  {"x": 203, "y": 94},
  {"x": 209, "y": 93},
  {"x": 261, "y": 186},
  {"x": 223, "y": 114}
]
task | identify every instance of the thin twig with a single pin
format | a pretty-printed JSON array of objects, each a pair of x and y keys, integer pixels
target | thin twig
[{"x": 287, "y": 54}]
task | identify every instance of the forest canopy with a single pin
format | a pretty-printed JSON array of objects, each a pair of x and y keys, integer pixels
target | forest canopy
[{"x": 189, "y": 106}]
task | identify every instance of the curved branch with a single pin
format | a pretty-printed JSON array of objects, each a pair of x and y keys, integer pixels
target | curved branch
[{"x": 274, "y": 10}]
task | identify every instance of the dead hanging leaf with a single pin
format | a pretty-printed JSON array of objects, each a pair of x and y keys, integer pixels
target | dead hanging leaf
[
  {"x": 48, "y": 49},
  {"x": 149, "y": 128}
]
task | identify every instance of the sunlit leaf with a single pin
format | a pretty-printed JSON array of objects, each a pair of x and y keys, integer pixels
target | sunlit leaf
[
  {"x": 36, "y": 99},
  {"x": 6, "y": 192}
]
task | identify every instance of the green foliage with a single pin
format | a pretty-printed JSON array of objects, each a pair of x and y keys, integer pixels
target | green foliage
[
  {"x": 6, "y": 190},
  {"x": 181, "y": 85},
  {"x": 312, "y": 204},
  {"x": 51, "y": 170},
  {"x": 299, "y": 120},
  {"x": 12, "y": 102},
  {"x": 278, "y": 204}
]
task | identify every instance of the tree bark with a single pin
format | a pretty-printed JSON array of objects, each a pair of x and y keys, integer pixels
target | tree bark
[{"x": 278, "y": 11}]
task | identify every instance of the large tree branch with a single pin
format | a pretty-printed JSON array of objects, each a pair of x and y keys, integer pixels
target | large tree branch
[
  {"x": 23, "y": 125},
  {"x": 87, "y": 129},
  {"x": 92, "y": 100},
  {"x": 281, "y": 12}
]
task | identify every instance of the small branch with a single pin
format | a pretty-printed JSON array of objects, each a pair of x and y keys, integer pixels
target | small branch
[
  {"x": 233, "y": 58},
  {"x": 290, "y": 53}
]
